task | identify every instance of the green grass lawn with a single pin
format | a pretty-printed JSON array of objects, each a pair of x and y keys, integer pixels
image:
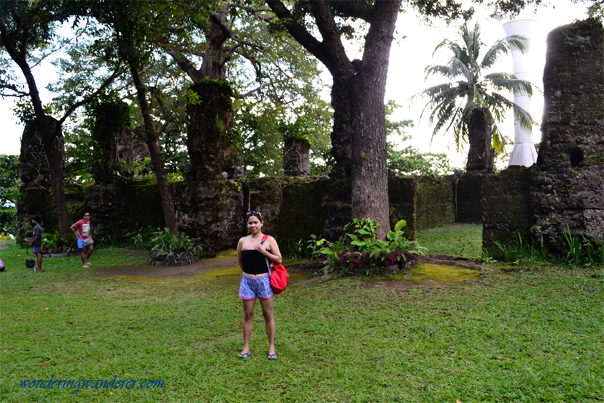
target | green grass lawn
[
  {"x": 454, "y": 240},
  {"x": 532, "y": 336}
]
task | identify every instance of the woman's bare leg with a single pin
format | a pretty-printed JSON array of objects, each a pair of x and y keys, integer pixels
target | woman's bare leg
[
  {"x": 269, "y": 320},
  {"x": 248, "y": 316}
]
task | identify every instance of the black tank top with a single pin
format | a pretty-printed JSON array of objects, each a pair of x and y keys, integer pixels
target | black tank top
[{"x": 254, "y": 262}]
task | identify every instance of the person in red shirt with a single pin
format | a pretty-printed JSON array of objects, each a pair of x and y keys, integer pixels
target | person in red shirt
[{"x": 82, "y": 231}]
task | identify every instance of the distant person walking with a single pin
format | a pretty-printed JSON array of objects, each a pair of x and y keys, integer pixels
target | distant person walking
[
  {"x": 252, "y": 252},
  {"x": 82, "y": 231},
  {"x": 36, "y": 241}
]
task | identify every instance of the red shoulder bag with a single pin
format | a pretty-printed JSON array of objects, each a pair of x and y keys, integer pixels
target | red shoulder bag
[{"x": 278, "y": 274}]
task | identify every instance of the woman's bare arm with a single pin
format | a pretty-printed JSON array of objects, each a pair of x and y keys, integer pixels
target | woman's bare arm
[{"x": 239, "y": 250}]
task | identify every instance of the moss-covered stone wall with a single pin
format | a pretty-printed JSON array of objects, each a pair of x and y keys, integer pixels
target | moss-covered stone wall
[
  {"x": 213, "y": 212},
  {"x": 468, "y": 195},
  {"x": 506, "y": 207},
  {"x": 291, "y": 207},
  {"x": 434, "y": 204},
  {"x": 402, "y": 193}
]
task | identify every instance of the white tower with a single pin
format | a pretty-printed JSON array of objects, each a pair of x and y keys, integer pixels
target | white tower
[{"x": 524, "y": 152}]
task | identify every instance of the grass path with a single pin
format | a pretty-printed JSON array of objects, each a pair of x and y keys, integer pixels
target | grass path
[{"x": 532, "y": 336}]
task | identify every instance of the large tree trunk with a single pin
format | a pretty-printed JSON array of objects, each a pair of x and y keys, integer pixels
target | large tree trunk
[
  {"x": 54, "y": 148},
  {"x": 152, "y": 141},
  {"x": 369, "y": 146},
  {"x": 357, "y": 96},
  {"x": 481, "y": 155},
  {"x": 48, "y": 134}
]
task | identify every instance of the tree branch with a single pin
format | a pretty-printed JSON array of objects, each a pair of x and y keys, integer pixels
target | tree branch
[
  {"x": 299, "y": 32},
  {"x": 226, "y": 30},
  {"x": 90, "y": 97},
  {"x": 185, "y": 65},
  {"x": 14, "y": 88},
  {"x": 254, "y": 11},
  {"x": 241, "y": 96},
  {"x": 354, "y": 9}
]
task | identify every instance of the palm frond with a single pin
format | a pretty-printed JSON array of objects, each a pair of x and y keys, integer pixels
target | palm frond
[
  {"x": 440, "y": 69},
  {"x": 452, "y": 46},
  {"x": 518, "y": 42},
  {"x": 475, "y": 44},
  {"x": 498, "y": 139},
  {"x": 432, "y": 92},
  {"x": 459, "y": 68},
  {"x": 501, "y": 47},
  {"x": 451, "y": 104},
  {"x": 446, "y": 112},
  {"x": 509, "y": 82},
  {"x": 499, "y": 104}
]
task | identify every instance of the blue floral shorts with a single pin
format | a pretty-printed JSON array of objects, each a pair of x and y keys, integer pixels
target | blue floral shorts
[{"x": 252, "y": 288}]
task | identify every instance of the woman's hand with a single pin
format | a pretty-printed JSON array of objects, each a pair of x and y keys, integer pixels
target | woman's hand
[{"x": 261, "y": 247}]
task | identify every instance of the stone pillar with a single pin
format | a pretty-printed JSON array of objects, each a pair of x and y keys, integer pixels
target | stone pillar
[
  {"x": 36, "y": 181},
  {"x": 296, "y": 157},
  {"x": 33, "y": 164},
  {"x": 212, "y": 143},
  {"x": 567, "y": 190},
  {"x": 112, "y": 119}
]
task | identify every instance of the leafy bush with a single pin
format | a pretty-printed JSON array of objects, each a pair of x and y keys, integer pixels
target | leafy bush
[
  {"x": 9, "y": 193},
  {"x": 167, "y": 248},
  {"x": 53, "y": 243},
  {"x": 301, "y": 249},
  {"x": 359, "y": 249}
]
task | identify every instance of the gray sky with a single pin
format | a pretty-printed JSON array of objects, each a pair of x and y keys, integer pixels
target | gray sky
[{"x": 408, "y": 58}]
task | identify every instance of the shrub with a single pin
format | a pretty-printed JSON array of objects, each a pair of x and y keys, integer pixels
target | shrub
[
  {"x": 167, "y": 248},
  {"x": 359, "y": 249}
]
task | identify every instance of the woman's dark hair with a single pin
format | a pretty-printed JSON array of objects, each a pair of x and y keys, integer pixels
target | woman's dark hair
[
  {"x": 255, "y": 214},
  {"x": 37, "y": 219}
]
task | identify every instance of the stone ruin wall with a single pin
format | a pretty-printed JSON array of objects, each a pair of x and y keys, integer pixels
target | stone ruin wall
[
  {"x": 565, "y": 189},
  {"x": 213, "y": 212}
]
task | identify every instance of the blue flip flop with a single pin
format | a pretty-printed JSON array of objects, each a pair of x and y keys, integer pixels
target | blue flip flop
[
  {"x": 272, "y": 356},
  {"x": 243, "y": 356}
]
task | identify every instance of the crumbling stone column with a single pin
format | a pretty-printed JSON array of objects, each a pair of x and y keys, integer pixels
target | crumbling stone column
[
  {"x": 296, "y": 157},
  {"x": 110, "y": 129},
  {"x": 211, "y": 141},
  {"x": 36, "y": 180},
  {"x": 34, "y": 170},
  {"x": 567, "y": 190}
]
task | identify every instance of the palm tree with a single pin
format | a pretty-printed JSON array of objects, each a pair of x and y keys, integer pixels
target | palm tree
[{"x": 470, "y": 103}]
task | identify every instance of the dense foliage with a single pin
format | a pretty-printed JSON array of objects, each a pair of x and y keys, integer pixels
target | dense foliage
[
  {"x": 408, "y": 160},
  {"x": 359, "y": 251},
  {"x": 9, "y": 191},
  {"x": 168, "y": 249}
]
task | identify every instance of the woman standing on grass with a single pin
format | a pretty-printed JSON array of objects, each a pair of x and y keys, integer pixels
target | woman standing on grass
[{"x": 252, "y": 252}]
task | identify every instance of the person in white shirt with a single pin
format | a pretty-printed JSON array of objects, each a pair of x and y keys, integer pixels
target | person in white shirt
[{"x": 82, "y": 231}]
